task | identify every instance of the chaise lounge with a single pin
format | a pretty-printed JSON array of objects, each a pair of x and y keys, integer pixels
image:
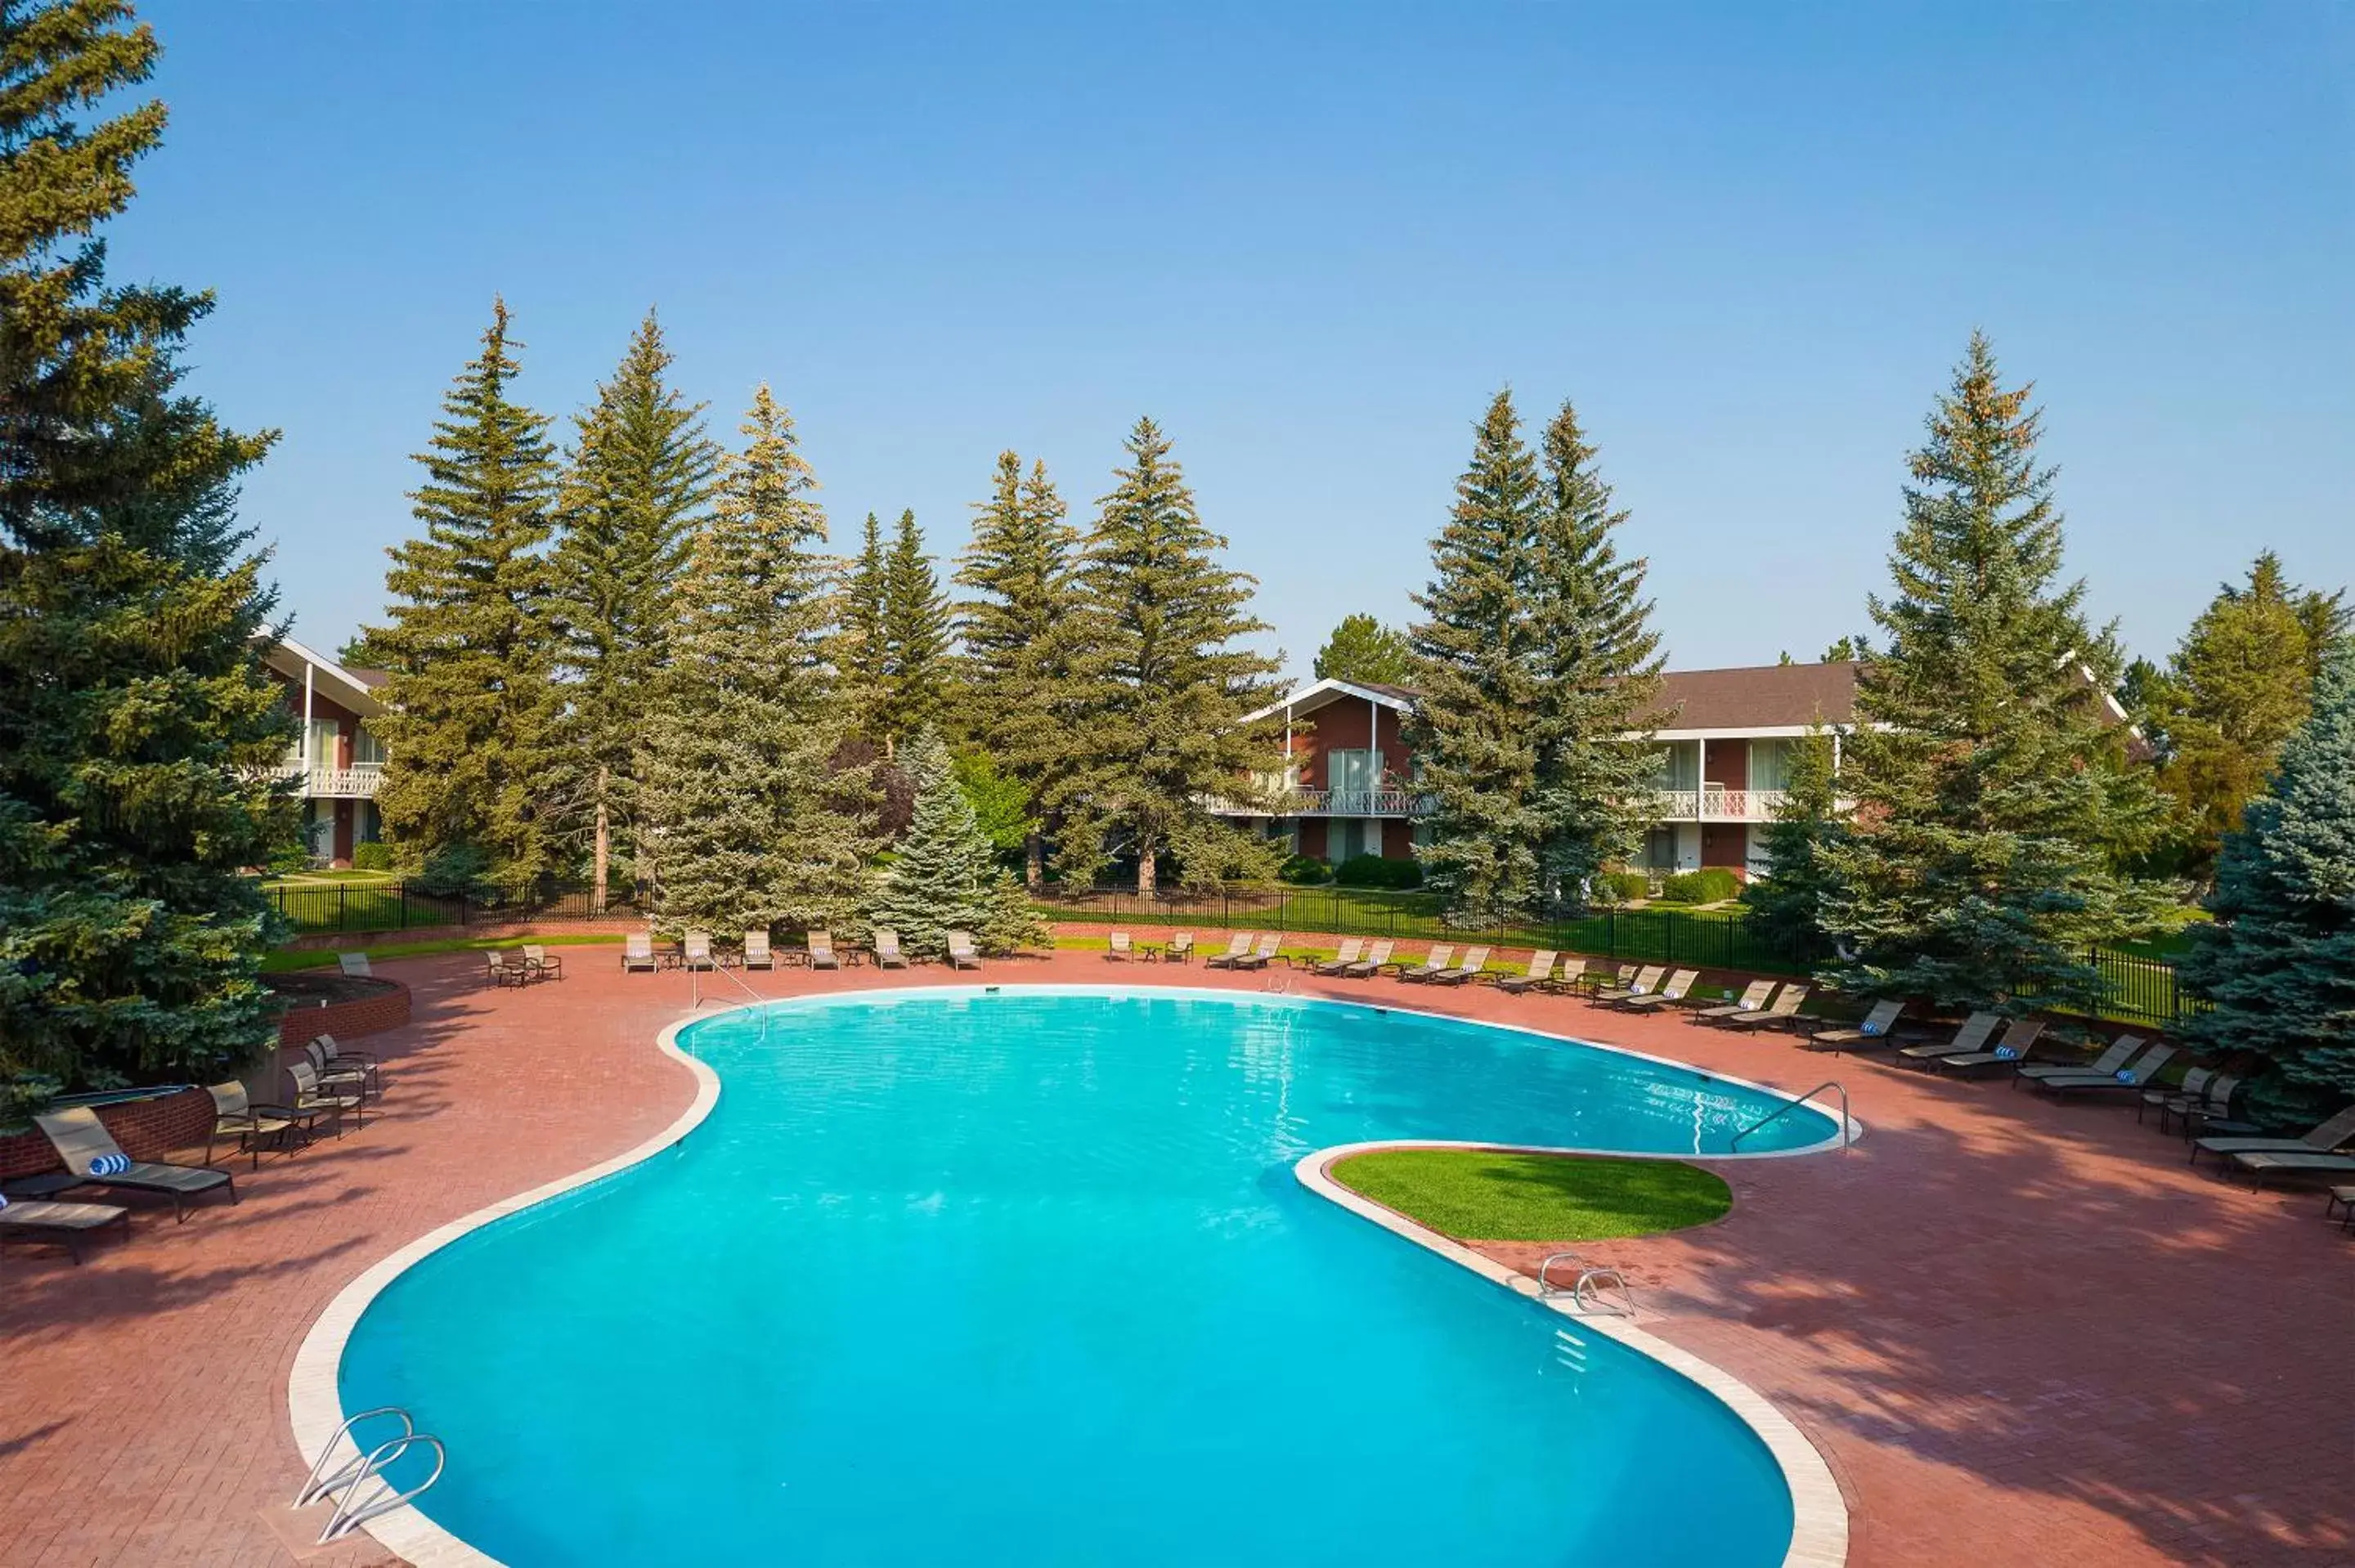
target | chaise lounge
[
  {"x": 90, "y": 1152},
  {"x": 46, "y": 1222}
]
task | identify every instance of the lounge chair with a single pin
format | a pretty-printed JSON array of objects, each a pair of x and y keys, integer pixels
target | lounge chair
[
  {"x": 311, "y": 1095},
  {"x": 46, "y": 1222},
  {"x": 1238, "y": 948},
  {"x": 758, "y": 953},
  {"x": 2131, "y": 1079},
  {"x": 2321, "y": 1138},
  {"x": 1753, "y": 998},
  {"x": 343, "y": 1056},
  {"x": 694, "y": 951},
  {"x": 1540, "y": 972},
  {"x": 2210, "y": 1113},
  {"x": 2020, "y": 1037},
  {"x": 962, "y": 954},
  {"x": 822, "y": 955},
  {"x": 1568, "y": 975},
  {"x": 1472, "y": 966},
  {"x": 255, "y": 1126},
  {"x": 1972, "y": 1037},
  {"x": 2121, "y": 1050},
  {"x": 638, "y": 952},
  {"x": 2263, "y": 1165},
  {"x": 538, "y": 965},
  {"x": 1594, "y": 983},
  {"x": 1436, "y": 962},
  {"x": 1668, "y": 995},
  {"x": 2340, "y": 1198},
  {"x": 1259, "y": 957},
  {"x": 1879, "y": 1028},
  {"x": 1372, "y": 964},
  {"x": 888, "y": 955},
  {"x": 336, "y": 1078},
  {"x": 1646, "y": 980},
  {"x": 1120, "y": 949},
  {"x": 1180, "y": 949},
  {"x": 354, "y": 965},
  {"x": 508, "y": 968},
  {"x": 2192, "y": 1092},
  {"x": 1783, "y": 1013},
  {"x": 83, "y": 1141},
  {"x": 1351, "y": 947}
]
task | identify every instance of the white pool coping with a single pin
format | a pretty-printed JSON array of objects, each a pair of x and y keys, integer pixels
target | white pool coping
[
  {"x": 1818, "y": 1512},
  {"x": 314, "y": 1409}
]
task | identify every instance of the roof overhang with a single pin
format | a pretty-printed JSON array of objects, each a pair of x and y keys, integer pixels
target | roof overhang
[
  {"x": 291, "y": 659},
  {"x": 1319, "y": 694}
]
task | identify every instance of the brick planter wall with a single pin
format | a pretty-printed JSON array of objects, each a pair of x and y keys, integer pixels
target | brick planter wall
[
  {"x": 147, "y": 1129},
  {"x": 388, "y": 1009}
]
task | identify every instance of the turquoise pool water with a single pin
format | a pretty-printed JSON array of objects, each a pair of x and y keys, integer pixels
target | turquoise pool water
[{"x": 1026, "y": 1279}]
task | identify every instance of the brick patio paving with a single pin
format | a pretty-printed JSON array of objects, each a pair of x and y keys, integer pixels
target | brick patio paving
[{"x": 2021, "y": 1332}]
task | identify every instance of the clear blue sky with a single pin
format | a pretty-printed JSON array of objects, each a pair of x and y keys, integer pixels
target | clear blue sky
[{"x": 1749, "y": 241}]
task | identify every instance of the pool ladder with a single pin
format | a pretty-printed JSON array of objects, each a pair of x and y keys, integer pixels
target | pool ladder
[
  {"x": 1602, "y": 1289},
  {"x": 351, "y": 1477}
]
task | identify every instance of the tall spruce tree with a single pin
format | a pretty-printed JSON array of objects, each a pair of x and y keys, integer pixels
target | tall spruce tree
[
  {"x": 2237, "y": 688},
  {"x": 2278, "y": 962},
  {"x": 137, "y": 729},
  {"x": 944, "y": 875},
  {"x": 1471, "y": 732},
  {"x": 1784, "y": 908},
  {"x": 640, "y": 474},
  {"x": 471, "y": 641},
  {"x": 1597, "y": 662},
  {"x": 916, "y": 619},
  {"x": 1017, "y": 630},
  {"x": 1993, "y": 806},
  {"x": 1158, "y": 728},
  {"x": 864, "y": 654},
  {"x": 1363, "y": 650},
  {"x": 749, "y": 824}
]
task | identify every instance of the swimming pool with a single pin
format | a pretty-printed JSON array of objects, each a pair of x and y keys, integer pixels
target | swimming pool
[{"x": 1025, "y": 1278}]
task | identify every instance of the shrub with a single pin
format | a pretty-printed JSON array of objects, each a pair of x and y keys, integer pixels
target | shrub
[
  {"x": 287, "y": 861},
  {"x": 1623, "y": 886},
  {"x": 372, "y": 856},
  {"x": 454, "y": 871},
  {"x": 1306, "y": 870},
  {"x": 1704, "y": 886},
  {"x": 1375, "y": 871}
]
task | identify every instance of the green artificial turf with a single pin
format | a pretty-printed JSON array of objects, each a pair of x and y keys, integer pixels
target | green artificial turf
[{"x": 1478, "y": 1195}]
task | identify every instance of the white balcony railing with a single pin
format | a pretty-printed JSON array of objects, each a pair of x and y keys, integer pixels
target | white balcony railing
[
  {"x": 357, "y": 782},
  {"x": 1716, "y": 804},
  {"x": 1355, "y": 803}
]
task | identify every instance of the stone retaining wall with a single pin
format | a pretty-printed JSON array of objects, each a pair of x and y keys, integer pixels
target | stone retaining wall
[{"x": 388, "y": 1009}]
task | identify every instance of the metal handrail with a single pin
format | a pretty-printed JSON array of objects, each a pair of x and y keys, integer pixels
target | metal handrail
[
  {"x": 315, "y": 1486},
  {"x": 1785, "y": 1109},
  {"x": 1545, "y": 1286},
  {"x": 1600, "y": 1276},
  {"x": 350, "y": 1513}
]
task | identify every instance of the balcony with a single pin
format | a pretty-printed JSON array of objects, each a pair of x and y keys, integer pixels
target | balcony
[
  {"x": 1715, "y": 803},
  {"x": 1354, "y": 803},
  {"x": 357, "y": 782}
]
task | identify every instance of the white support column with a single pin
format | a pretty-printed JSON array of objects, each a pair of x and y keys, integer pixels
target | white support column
[
  {"x": 306, "y": 725},
  {"x": 1701, "y": 783}
]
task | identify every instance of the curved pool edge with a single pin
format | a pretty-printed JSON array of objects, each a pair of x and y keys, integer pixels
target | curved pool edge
[
  {"x": 1818, "y": 1511},
  {"x": 313, "y": 1405}
]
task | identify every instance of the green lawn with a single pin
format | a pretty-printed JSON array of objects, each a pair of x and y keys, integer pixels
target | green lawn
[{"x": 1477, "y": 1195}]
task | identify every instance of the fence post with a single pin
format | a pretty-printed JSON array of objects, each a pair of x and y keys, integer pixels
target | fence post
[{"x": 343, "y": 908}]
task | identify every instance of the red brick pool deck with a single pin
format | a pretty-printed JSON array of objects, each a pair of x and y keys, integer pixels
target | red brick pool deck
[{"x": 2021, "y": 1332}]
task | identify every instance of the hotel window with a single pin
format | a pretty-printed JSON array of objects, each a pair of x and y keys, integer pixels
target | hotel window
[
  {"x": 366, "y": 747},
  {"x": 1770, "y": 764},
  {"x": 1678, "y": 767}
]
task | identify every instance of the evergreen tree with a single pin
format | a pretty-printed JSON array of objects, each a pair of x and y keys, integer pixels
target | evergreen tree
[
  {"x": 1018, "y": 631},
  {"x": 1993, "y": 806},
  {"x": 1158, "y": 727},
  {"x": 1784, "y": 908},
  {"x": 864, "y": 654},
  {"x": 471, "y": 643},
  {"x": 2236, "y": 689},
  {"x": 1598, "y": 663},
  {"x": 641, "y": 472},
  {"x": 915, "y": 637},
  {"x": 138, "y": 730},
  {"x": 944, "y": 875},
  {"x": 1470, "y": 732},
  {"x": 1363, "y": 650},
  {"x": 748, "y": 821},
  {"x": 2278, "y": 962}
]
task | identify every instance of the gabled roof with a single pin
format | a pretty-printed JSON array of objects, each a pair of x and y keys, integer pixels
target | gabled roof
[
  {"x": 354, "y": 689},
  {"x": 1317, "y": 694}
]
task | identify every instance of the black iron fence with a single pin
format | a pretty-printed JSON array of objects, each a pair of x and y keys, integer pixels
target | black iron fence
[
  {"x": 2134, "y": 988},
  {"x": 368, "y": 906}
]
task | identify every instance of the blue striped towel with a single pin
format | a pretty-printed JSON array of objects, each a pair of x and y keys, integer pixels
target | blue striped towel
[{"x": 109, "y": 1165}]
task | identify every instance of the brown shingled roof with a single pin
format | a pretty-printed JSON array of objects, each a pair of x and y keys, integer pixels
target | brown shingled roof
[{"x": 1760, "y": 696}]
